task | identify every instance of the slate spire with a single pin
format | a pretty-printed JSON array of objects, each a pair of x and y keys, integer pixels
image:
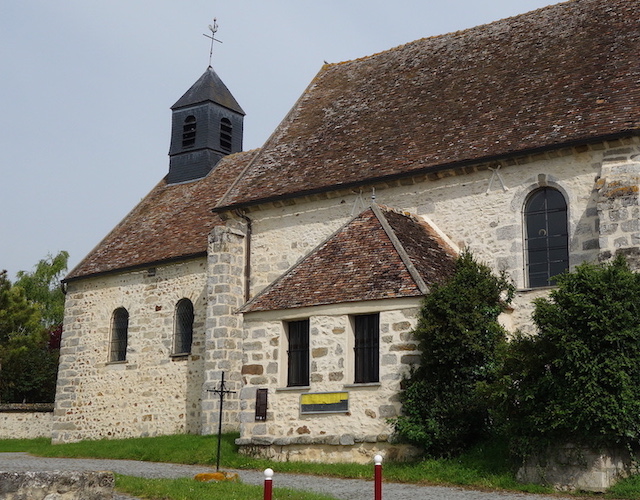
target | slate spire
[{"x": 207, "y": 124}]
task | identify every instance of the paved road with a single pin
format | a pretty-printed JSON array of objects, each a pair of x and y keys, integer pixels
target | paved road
[{"x": 343, "y": 489}]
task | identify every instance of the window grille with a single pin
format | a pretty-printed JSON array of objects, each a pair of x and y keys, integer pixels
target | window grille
[
  {"x": 547, "y": 237},
  {"x": 119, "y": 335},
  {"x": 189, "y": 132},
  {"x": 367, "y": 347},
  {"x": 226, "y": 131},
  {"x": 298, "y": 353},
  {"x": 183, "y": 336}
]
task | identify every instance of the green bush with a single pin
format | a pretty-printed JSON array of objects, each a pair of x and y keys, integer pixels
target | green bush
[
  {"x": 578, "y": 380},
  {"x": 444, "y": 410}
]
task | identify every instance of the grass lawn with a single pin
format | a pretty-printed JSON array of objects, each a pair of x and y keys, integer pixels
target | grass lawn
[{"x": 485, "y": 467}]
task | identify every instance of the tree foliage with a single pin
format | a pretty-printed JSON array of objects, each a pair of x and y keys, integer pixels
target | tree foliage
[
  {"x": 31, "y": 312},
  {"x": 578, "y": 381},
  {"x": 42, "y": 287},
  {"x": 444, "y": 410}
]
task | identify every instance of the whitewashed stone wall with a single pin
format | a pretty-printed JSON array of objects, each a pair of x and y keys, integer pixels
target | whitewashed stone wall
[
  {"x": 350, "y": 436},
  {"x": 153, "y": 392},
  {"x": 24, "y": 424}
]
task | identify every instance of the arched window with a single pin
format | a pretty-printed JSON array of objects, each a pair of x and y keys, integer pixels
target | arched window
[
  {"x": 119, "y": 335},
  {"x": 226, "y": 132},
  {"x": 546, "y": 236},
  {"x": 189, "y": 131},
  {"x": 183, "y": 331}
]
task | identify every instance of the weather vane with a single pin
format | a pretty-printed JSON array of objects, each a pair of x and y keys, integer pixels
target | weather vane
[{"x": 213, "y": 28}]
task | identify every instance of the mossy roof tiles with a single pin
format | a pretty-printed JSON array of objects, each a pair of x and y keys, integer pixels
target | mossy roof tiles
[
  {"x": 171, "y": 222},
  {"x": 558, "y": 75},
  {"x": 380, "y": 254}
]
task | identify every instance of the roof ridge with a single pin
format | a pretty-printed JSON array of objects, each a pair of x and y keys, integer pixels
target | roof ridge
[
  {"x": 271, "y": 285},
  {"x": 399, "y": 247},
  {"x": 449, "y": 33}
]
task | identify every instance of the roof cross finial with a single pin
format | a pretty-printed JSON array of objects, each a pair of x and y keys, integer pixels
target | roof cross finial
[{"x": 213, "y": 28}]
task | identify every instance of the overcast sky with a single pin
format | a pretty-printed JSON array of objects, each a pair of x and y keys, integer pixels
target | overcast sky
[{"x": 86, "y": 87}]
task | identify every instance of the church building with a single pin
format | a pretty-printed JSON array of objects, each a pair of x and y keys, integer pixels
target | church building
[{"x": 297, "y": 269}]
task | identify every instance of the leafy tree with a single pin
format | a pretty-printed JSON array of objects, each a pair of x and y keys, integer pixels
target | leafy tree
[
  {"x": 31, "y": 312},
  {"x": 444, "y": 410},
  {"x": 18, "y": 317},
  {"x": 42, "y": 287},
  {"x": 578, "y": 381}
]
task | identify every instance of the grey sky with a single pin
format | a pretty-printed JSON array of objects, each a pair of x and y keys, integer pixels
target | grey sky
[{"x": 86, "y": 86}]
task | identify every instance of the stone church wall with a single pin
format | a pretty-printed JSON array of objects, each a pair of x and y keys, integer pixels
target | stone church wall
[
  {"x": 479, "y": 207},
  {"x": 345, "y": 436},
  {"x": 152, "y": 392}
]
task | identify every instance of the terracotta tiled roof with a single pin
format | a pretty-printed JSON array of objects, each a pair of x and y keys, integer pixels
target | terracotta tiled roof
[
  {"x": 171, "y": 222},
  {"x": 380, "y": 254},
  {"x": 560, "y": 75}
]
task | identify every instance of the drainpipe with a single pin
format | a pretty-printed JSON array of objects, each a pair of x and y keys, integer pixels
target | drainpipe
[{"x": 247, "y": 263}]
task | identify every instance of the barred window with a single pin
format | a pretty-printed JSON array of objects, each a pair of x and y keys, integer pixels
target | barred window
[
  {"x": 546, "y": 236},
  {"x": 119, "y": 335},
  {"x": 298, "y": 353},
  {"x": 367, "y": 347},
  {"x": 183, "y": 331},
  {"x": 189, "y": 131}
]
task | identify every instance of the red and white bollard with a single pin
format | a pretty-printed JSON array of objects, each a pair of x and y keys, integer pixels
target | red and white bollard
[
  {"x": 377, "y": 477},
  {"x": 268, "y": 484}
]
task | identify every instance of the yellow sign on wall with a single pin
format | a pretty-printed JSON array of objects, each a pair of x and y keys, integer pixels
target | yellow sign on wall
[{"x": 324, "y": 402}]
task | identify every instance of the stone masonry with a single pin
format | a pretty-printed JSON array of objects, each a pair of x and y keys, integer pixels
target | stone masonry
[
  {"x": 226, "y": 290},
  {"x": 618, "y": 208},
  {"x": 152, "y": 392}
]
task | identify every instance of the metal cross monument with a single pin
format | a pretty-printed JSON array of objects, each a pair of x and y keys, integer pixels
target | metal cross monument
[{"x": 222, "y": 392}]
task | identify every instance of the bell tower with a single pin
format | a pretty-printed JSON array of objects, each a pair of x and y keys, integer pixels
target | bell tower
[{"x": 207, "y": 124}]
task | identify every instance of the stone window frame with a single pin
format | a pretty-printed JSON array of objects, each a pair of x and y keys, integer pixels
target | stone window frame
[
  {"x": 366, "y": 351},
  {"x": 119, "y": 338},
  {"x": 564, "y": 263},
  {"x": 300, "y": 371},
  {"x": 184, "y": 318}
]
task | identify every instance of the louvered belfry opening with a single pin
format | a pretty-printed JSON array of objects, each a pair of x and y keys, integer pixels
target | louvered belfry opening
[
  {"x": 226, "y": 135},
  {"x": 189, "y": 132},
  {"x": 367, "y": 346}
]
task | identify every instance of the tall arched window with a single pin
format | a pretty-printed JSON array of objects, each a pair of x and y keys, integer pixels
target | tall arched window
[
  {"x": 226, "y": 132},
  {"x": 119, "y": 335},
  {"x": 546, "y": 236},
  {"x": 189, "y": 131},
  {"x": 183, "y": 334}
]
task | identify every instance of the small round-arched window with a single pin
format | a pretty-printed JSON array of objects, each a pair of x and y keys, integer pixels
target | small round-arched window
[
  {"x": 546, "y": 236},
  {"x": 183, "y": 334},
  {"x": 119, "y": 335}
]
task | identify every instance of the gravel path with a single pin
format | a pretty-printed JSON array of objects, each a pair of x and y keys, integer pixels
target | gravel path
[{"x": 343, "y": 489}]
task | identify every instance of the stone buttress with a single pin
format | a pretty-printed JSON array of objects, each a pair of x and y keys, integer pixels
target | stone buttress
[{"x": 223, "y": 337}]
